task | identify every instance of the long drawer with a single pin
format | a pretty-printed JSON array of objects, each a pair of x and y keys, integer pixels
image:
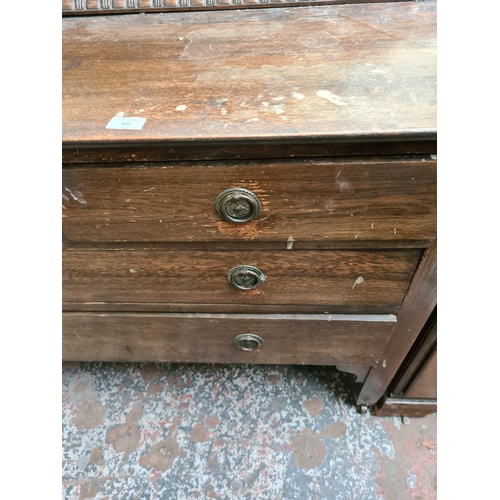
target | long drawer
[
  {"x": 216, "y": 338},
  {"x": 301, "y": 200},
  {"x": 370, "y": 281}
]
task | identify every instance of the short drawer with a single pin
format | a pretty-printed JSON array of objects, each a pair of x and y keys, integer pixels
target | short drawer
[
  {"x": 301, "y": 200},
  {"x": 361, "y": 281},
  {"x": 214, "y": 338}
]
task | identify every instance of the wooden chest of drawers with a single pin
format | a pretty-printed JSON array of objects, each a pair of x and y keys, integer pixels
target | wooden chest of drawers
[{"x": 250, "y": 186}]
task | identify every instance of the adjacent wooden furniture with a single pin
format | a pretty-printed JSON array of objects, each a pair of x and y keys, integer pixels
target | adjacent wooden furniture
[
  {"x": 413, "y": 392},
  {"x": 276, "y": 205}
]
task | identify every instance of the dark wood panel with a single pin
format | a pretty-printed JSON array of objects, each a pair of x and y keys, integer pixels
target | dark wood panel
[
  {"x": 140, "y": 153},
  {"x": 350, "y": 72},
  {"x": 307, "y": 200},
  {"x": 416, "y": 309},
  {"x": 424, "y": 385},
  {"x": 397, "y": 407},
  {"x": 209, "y": 338},
  {"x": 342, "y": 278},
  {"x": 420, "y": 351}
]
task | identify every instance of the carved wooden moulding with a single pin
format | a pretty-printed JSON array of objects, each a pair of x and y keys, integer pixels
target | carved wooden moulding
[{"x": 126, "y": 6}]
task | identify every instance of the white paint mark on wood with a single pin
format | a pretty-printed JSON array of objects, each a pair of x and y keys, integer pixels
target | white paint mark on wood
[
  {"x": 289, "y": 243},
  {"x": 265, "y": 103},
  {"x": 413, "y": 97},
  {"x": 77, "y": 196},
  {"x": 434, "y": 157},
  {"x": 279, "y": 98},
  {"x": 358, "y": 281},
  {"x": 150, "y": 189},
  {"x": 298, "y": 96},
  {"x": 120, "y": 114},
  {"x": 223, "y": 112},
  {"x": 330, "y": 205},
  {"x": 335, "y": 99},
  {"x": 373, "y": 223},
  {"x": 377, "y": 71},
  {"x": 395, "y": 231},
  {"x": 181, "y": 107},
  {"x": 384, "y": 364},
  {"x": 319, "y": 39},
  {"x": 255, "y": 119},
  {"x": 133, "y": 271},
  {"x": 316, "y": 19}
]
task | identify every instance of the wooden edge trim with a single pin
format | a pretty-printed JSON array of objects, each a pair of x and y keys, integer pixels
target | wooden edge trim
[{"x": 398, "y": 407}]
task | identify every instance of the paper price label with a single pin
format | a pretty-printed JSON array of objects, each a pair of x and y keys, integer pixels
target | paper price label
[{"x": 132, "y": 123}]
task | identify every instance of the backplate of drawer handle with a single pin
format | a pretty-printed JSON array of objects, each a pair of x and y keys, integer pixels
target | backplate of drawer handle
[
  {"x": 245, "y": 277},
  {"x": 237, "y": 205},
  {"x": 248, "y": 341}
]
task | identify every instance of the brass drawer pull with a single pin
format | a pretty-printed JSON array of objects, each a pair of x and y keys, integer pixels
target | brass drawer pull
[
  {"x": 237, "y": 205},
  {"x": 248, "y": 341},
  {"x": 245, "y": 277}
]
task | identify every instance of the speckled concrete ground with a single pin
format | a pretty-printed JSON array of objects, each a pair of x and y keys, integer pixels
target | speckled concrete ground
[{"x": 175, "y": 432}]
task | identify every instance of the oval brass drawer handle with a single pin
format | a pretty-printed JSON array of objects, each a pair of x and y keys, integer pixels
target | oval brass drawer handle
[
  {"x": 248, "y": 341},
  {"x": 237, "y": 205},
  {"x": 245, "y": 277}
]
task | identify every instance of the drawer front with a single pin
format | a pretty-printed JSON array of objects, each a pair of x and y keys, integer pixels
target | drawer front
[
  {"x": 210, "y": 338},
  {"x": 370, "y": 281},
  {"x": 342, "y": 200}
]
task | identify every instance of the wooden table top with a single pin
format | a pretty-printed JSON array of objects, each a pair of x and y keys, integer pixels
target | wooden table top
[{"x": 344, "y": 72}]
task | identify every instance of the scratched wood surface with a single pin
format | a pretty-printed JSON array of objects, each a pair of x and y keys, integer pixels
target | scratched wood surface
[
  {"x": 307, "y": 200},
  {"x": 209, "y": 338},
  {"x": 364, "y": 71},
  {"x": 343, "y": 278}
]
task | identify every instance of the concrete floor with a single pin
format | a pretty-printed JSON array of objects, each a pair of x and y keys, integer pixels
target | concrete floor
[{"x": 175, "y": 432}]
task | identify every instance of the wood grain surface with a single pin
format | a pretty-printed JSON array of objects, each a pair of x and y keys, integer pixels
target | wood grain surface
[
  {"x": 306, "y": 200},
  {"x": 209, "y": 338},
  {"x": 357, "y": 72},
  {"x": 342, "y": 279},
  {"x": 424, "y": 385},
  {"x": 420, "y": 351},
  {"x": 416, "y": 309}
]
